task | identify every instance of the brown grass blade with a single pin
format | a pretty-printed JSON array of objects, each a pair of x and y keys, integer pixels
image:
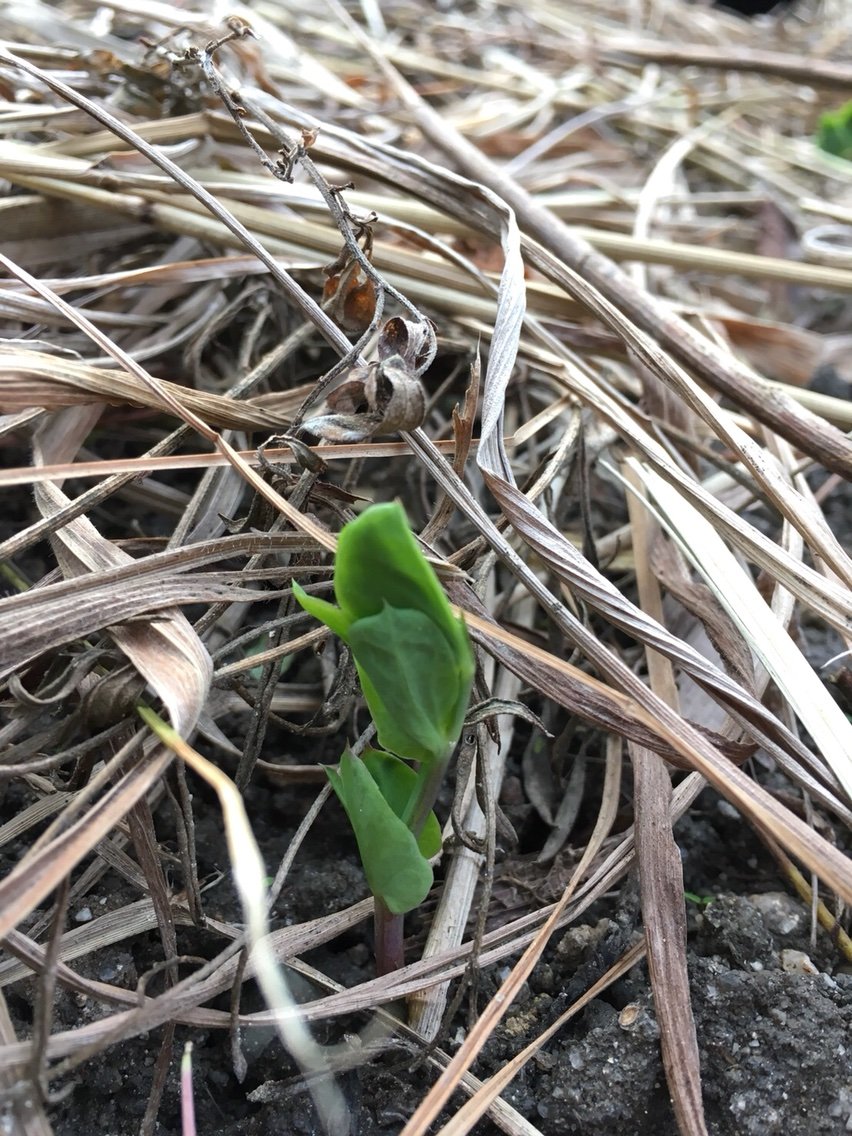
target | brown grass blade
[
  {"x": 31, "y": 378},
  {"x": 49, "y": 618},
  {"x": 661, "y": 883}
]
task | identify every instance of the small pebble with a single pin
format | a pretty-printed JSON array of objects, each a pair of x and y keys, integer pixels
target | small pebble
[
  {"x": 797, "y": 962},
  {"x": 781, "y": 913},
  {"x": 627, "y": 1017}
]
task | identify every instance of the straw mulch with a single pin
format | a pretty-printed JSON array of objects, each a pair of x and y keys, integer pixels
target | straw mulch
[{"x": 570, "y": 280}]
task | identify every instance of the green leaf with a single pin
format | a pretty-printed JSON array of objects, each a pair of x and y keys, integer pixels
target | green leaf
[
  {"x": 334, "y": 617},
  {"x": 413, "y": 654},
  {"x": 834, "y": 135},
  {"x": 411, "y": 681},
  {"x": 398, "y": 784},
  {"x": 379, "y": 562},
  {"x": 396, "y": 870}
]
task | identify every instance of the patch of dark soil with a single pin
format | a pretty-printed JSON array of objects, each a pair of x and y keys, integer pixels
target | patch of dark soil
[
  {"x": 774, "y": 1049},
  {"x": 773, "y": 1021}
]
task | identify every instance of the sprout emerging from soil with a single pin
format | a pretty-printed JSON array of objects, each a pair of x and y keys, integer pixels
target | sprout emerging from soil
[{"x": 416, "y": 665}]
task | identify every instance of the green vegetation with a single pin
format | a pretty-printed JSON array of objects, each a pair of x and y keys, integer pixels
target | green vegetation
[
  {"x": 835, "y": 132},
  {"x": 415, "y": 665}
]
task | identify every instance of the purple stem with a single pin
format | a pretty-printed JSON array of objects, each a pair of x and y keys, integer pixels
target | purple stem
[
  {"x": 389, "y": 949},
  {"x": 390, "y": 955}
]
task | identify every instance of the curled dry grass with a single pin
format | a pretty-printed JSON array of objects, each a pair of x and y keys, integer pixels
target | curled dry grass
[{"x": 162, "y": 276}]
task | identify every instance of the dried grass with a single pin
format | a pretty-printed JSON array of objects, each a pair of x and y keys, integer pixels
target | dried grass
[{"x": 162, "y": 263}]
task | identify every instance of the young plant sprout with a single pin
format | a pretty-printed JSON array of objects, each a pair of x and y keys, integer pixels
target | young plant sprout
[{"x": 416, "y": 665}]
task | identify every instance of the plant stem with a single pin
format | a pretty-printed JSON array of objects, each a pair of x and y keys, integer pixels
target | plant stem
[
  {"x": 389, "y": 927},
  {"x": 388, "y": 932},
  {"x": 426, "y": 793}
]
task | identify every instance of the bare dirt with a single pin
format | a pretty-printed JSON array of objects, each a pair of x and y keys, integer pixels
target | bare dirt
[{"x": 773, "y": 1011}]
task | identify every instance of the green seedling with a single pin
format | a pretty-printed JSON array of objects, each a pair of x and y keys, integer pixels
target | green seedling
[
  {"x": 258, "y": 648},
  {"x": 834, "y": 134},
  {"x": 415, "y": 665},
  {"x": 698, "y": 900}
]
